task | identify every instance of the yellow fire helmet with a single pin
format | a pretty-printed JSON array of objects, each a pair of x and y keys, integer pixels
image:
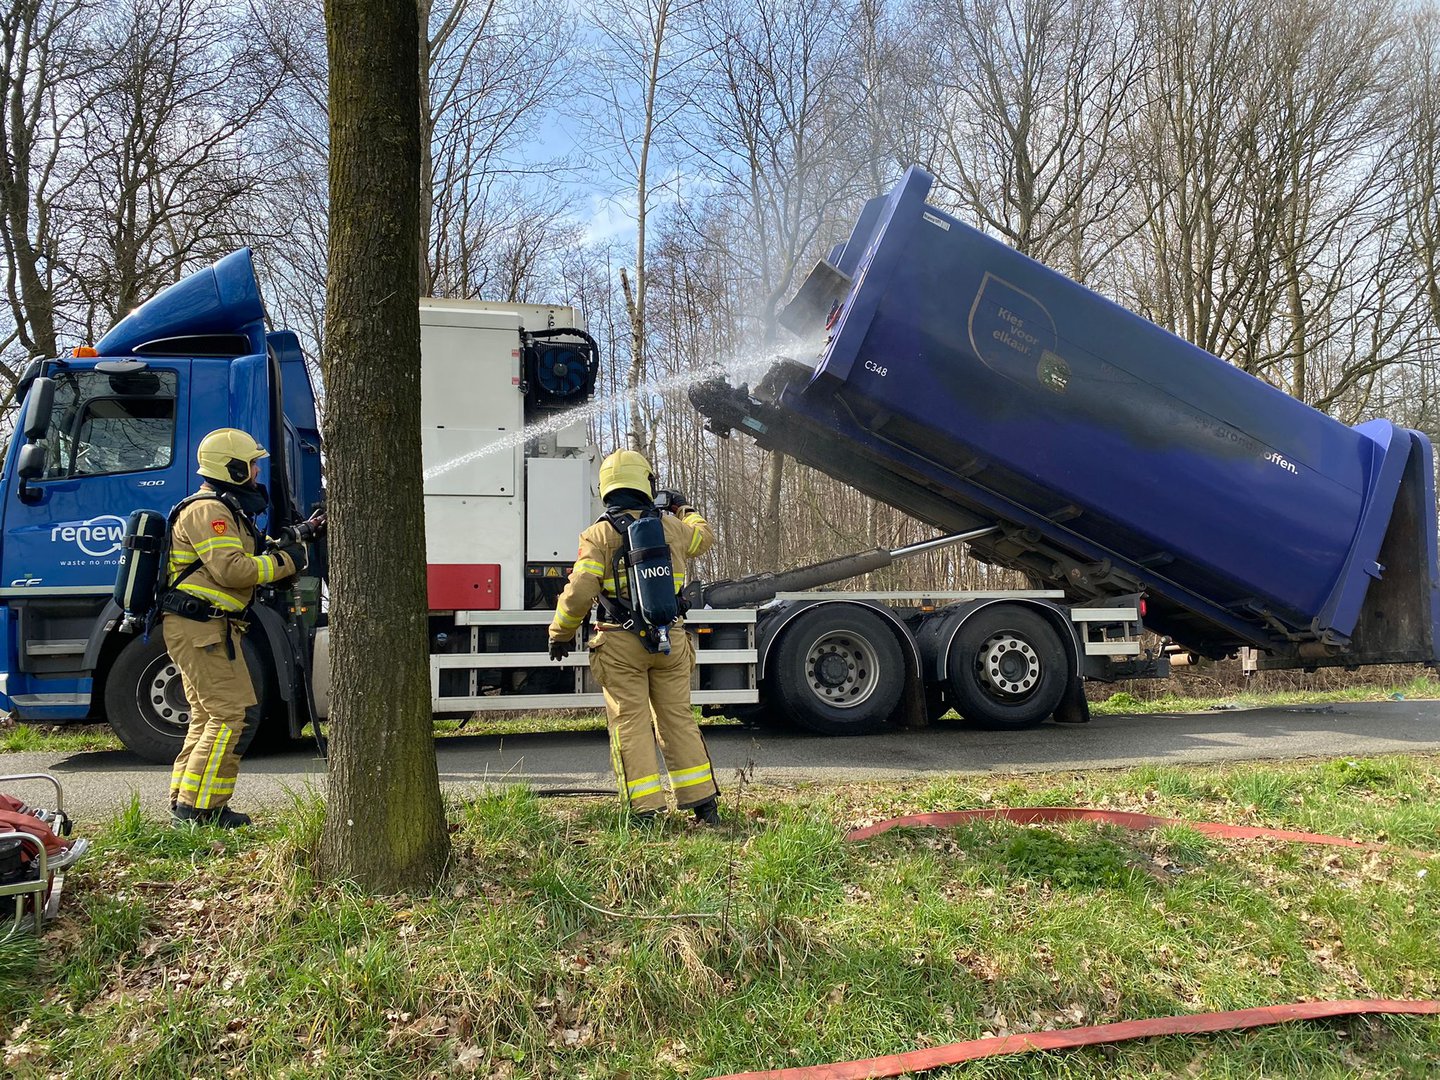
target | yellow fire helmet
[
  {"x": 627, "y": 469},
  {"x": 226, "y": 454}
]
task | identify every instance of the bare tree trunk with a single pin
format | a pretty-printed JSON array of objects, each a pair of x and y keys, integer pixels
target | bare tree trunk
[
  {"x": 770, "y": 522},
  {"x": 773, "y": 99},
  {"x": 1299, "y": 332},
  {"x": 385, "y": 825},
  {"x": 641, "y": 32},
  {"x": 427, "y": 159},
  {"x": 35, "y": 307},
  {"x": 29, "y": 71},
  {"x": 636, "y": 437},
  {"x": 1420, "y": 157},
  {"x": 1027, "y": 99}
]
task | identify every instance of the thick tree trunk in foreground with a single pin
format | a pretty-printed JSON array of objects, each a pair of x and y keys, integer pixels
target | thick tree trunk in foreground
[{"x": 384, "y": 824}]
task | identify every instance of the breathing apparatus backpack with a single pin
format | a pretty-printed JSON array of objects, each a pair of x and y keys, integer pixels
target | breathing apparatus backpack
[
  {"x": 644, "y": 558},
  {"x": 143, "y": 553},
  {"x": 140, "y": 585}
]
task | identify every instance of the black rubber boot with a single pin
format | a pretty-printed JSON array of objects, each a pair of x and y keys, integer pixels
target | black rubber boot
[
  {"x": 224, "y": 818},
  {"x": 182, "y": 816},
  {"x": 707, "y": 812}
]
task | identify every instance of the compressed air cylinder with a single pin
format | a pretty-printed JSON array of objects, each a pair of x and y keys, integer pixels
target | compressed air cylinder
[
  {"x": 140, "y": 554},
  {"x": 652, "y": 578}
]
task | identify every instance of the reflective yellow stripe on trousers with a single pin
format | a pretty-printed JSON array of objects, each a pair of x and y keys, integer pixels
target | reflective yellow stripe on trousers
[
  {"x": 646, "y": 785},
  {"x": 218, "y": 786},
  {"x": 211, "y": 785},
  {"x": 690, "y": 777}
]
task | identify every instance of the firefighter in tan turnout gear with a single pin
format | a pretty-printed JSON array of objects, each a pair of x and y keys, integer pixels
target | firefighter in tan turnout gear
[
  {"x": 647, "y": 691},
  {"x": 216, "y": 559}
]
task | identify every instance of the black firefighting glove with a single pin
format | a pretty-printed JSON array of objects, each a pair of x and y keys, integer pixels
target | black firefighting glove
[
  {"x": 560, "y": 649},
  {"x": 297, "y": 554},
  {"x": 671, "y": 500}
]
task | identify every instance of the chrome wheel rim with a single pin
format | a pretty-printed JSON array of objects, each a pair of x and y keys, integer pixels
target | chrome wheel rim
[
  {"x": 1007, "y": 666},
  {"x": 160, "y": 696},
  {"x": 840, "y": 669}
]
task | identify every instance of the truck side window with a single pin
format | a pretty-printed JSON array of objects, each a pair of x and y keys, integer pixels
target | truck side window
[{"x": 106, "y": 424}]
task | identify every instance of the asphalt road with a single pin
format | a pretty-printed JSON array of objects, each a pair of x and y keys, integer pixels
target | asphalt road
[{"x": 99, "y": 783}]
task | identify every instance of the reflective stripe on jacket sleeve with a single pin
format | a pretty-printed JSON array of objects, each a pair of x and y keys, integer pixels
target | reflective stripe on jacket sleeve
[
  {"x": 206, "y": 530},
  {"x": 701, "y": 536},
  {"x": 582, "y": 588}
]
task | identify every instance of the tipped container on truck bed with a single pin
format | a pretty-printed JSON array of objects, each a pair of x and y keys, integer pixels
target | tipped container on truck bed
[{"x": 969, "y": 386}]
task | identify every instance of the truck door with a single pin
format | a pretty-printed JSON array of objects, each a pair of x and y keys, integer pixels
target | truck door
[{"x": 115, "y": 442}]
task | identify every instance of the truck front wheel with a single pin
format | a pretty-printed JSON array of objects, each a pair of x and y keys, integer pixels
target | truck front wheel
[
  {"x": 838, "y": 671},
  {"x": 145, "y": 700},
  {"x": 1007, "y": 668}
]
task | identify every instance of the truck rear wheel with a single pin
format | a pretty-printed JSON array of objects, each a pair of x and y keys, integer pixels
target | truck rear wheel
[
  {"x": 145, "y": 700},
  {"x": 838, "y": 671},
  {"x": 1007, "y": 668}
]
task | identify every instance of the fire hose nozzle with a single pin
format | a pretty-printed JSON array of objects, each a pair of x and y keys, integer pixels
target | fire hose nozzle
[{"x": 303, "y": 532}]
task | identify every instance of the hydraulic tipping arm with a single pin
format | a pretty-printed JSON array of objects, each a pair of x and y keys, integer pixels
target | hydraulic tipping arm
[{"x": 759, "y": 588}]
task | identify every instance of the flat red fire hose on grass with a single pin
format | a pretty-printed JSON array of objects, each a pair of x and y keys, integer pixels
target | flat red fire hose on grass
[
  {"x": 1187, "y": 1024},
  {"x": 1031, "y": 815},
  {"x": 935, "y": 1057}
]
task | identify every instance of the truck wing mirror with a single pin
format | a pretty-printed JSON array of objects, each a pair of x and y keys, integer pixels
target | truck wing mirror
[
  {"x": 38, "y": 405},
  {"x": 31, "y": 464}
]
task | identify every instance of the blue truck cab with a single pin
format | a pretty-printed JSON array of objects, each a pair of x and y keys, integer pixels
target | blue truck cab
[{"x": 113, "y": 429}]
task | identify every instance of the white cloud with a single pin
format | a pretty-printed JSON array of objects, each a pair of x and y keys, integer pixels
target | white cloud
[{"x": 611, "y": 218}]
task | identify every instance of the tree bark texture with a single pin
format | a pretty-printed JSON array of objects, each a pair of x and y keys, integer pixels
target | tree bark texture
[
  {"x": 427, "y": 158},
  {"x": 638, "y": 437},
  {"x": 24, "y": 46},
  {"x": 385, "y": 823},
  {"x": 770, "y": 526}
]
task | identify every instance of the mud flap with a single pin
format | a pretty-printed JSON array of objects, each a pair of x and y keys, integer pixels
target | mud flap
[
  {"x": 1073, "y": 708},
  {"x": 912, "y": 712}
]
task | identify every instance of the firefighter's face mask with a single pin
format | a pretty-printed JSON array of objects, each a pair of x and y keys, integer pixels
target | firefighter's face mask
[{"x": 253, "y": 498}]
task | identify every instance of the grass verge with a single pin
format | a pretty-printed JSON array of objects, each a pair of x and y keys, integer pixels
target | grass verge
[
  {"x": 566, "y": 943},
  {"x": 1125, "y": 703},
  {"x": 50, "y": 738}
]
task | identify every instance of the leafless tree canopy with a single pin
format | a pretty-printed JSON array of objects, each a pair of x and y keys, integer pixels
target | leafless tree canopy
[{"x": 1259, "y": 176}]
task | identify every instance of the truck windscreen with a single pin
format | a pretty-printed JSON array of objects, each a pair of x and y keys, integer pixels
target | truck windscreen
[{"x": 104, "y": 424}]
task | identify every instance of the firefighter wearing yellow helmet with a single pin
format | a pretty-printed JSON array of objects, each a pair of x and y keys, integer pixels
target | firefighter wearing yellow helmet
[
  {"x": 217, "y": 558},
  {"x": 647, "y": 691}
]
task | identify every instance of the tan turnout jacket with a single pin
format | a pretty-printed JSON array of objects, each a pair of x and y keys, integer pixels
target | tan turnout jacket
[
  {"x": 688, "y": 535},
  {"x": 230, "y": 563}
]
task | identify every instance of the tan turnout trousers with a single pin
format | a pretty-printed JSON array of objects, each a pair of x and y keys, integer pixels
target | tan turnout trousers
[
  {"x": 219, "y": 691},
  {"x": 647, "y": 698}
]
